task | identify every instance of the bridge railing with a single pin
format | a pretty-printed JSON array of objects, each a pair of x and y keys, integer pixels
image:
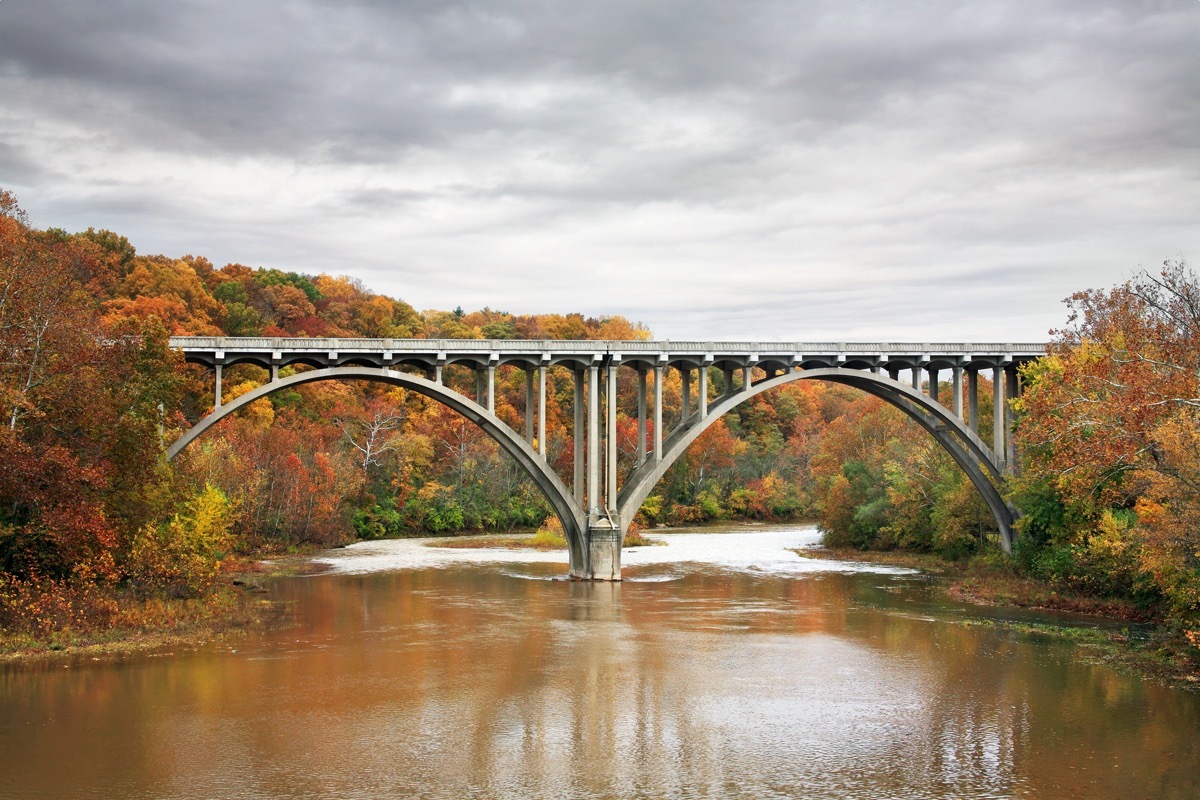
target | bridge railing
[{"x": 263, "y": 343}]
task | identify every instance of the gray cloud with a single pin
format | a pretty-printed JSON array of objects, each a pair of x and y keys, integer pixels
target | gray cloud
[{"x": 714, "y": 169}]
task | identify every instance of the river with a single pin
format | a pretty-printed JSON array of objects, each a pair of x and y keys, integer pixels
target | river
[{"x": 724, "y": 666}]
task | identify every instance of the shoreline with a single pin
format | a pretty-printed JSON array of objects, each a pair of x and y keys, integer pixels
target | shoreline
[
  {"x": 1159, "y": 657},
  {"x": 237, "y": 607}
]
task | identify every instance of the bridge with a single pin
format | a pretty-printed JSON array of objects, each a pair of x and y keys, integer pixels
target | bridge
[{"x": 595, "y": 511}]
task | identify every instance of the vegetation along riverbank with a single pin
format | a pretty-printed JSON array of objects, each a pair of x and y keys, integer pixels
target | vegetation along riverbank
[{"x": 101, "y": 537}]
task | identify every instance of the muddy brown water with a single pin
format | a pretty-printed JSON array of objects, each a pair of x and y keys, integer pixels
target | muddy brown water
[{"x": 725, "y": 666}]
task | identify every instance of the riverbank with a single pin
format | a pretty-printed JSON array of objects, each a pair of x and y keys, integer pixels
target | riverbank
[
  {"x": 1155, "y": 652},
  {"x": 235, "y": 605}
]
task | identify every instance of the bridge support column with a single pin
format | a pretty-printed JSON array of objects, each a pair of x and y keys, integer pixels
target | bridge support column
[
  {"x": 529, "y": 406},
  {"x": 998, "y": 415},
  {"x": 641, "y": 443},
  {"x": 685, "y": 394},
  {"x": 894, "y": 374},
  {"x": 973, "y": 399},
  {"x": 916, "y": 378},
  {"x": 934, "y": 389},
  {"x": 491, "y": 388},
  {"x": 658, "y": 417},
  {"x": 593, "y": 441},
  {"x": 610, "y": 438},
  {"x": 481, "y": 387},
  {"x": 541, "y": 410},
  {"x": 579, "y": 435},
  {"x": 747, "y": 378},
  {"x": 217, "y": 388},
  {"x": 728, "y": 373},
  {"x": 702, "y": 392},
  {"x": 956, "y": 388},
  {"x": 604, "y": 549},
  {"x": 1012, "y": 390}
]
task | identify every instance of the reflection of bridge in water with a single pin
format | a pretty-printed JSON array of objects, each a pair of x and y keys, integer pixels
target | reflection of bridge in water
[{"x": 595, "y": 512}]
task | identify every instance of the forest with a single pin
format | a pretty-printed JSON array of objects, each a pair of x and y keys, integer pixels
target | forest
[{"x": 98, "y": 531}]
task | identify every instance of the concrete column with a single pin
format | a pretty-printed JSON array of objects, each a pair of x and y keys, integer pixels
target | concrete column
[
  {"x": 1011, "y": 392},
  {"x": 702, "y": 400},
  {"x": 728, "y": 372},
  {"x": 579, "y": 437},
  {"x": 933, "y": 384},
  {"x": 274, "y": 372},
  {"x": 973, "y": 399},
  {"x": 956, "y": 387},
  {"x": 593, "y": 440},
  {"x": 529, "y": 406},
  {"x": 610, "y": 439},
  {"x": 437, "y": 374},
  {"x": 998, "y": 413},
  {"x": 491, "y": 388},
  {"x": 893, "y": 373},
  {"x": 541, "y": 412},
  {"x": 217, "y": 388},
  {"x": 481, "y": 387},
  {"x": 641, "y": 442},
  {"x": 916, "y": 378},
  {"x": 658, "y": 431},
  {"x": 685, "y": 405},
  {"x": 747, "y": 378},
  {"x": 604, "y": 550}
]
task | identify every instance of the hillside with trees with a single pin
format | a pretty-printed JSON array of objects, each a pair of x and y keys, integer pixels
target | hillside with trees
[{"x": 94, "y": 522}]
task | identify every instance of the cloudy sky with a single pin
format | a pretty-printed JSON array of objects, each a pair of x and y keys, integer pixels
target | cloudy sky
[{"x": 741, "y": 169}]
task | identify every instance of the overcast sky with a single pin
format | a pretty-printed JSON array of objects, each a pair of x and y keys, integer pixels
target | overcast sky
[{"x": 741, "y": 169}]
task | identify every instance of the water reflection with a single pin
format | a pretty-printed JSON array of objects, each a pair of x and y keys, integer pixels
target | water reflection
[{"x": 480, "y": 679}]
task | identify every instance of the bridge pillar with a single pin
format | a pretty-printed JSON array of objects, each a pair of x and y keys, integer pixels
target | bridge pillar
[
  {"x": 973, "y": 399},
  {"x": 217, "y": 389},
  {"x": 604, "y": 549},
  {"x": 934, "y": 389},
  {"x": 529, "y": 406},
  {"x": 702, "y": 392},
  {"x": 579, "y": 436},
  {"x": 747, "y": 377},
  {"x": 916, "y": 378},
  {"x": 610, "y": 437},
  {"x": 1012, "y": 390},
  {"x": 956, "y": 388},
  {"x": 658, "y": 417},
  {"x": 641, "y": 398},
  {"x": 541, "y": 410},
  {"x": 685, "y": 394},
  {"x": 998, "y": 415},
  {"x": 593, "y": 440}
]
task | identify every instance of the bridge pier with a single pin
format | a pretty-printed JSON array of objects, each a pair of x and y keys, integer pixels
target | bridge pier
[{"x": 604, "y": 549}]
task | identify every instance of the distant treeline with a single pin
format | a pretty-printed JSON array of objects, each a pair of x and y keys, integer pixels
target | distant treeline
[{"x": 89, "y": 390}]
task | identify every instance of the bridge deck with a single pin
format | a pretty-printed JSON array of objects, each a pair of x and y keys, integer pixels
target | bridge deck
[{"x": 429, "y": 353}]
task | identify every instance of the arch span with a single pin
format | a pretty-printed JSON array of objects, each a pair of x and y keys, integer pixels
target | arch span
[
  {"x": 560, "y": 497},
  {"x": 963, "y": 445}
]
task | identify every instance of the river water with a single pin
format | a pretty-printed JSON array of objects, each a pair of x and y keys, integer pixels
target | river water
[{"x": 723, "y": 666}]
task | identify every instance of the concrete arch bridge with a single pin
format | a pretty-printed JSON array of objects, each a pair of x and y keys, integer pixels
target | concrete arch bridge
[{"x": 594, "y": 510}]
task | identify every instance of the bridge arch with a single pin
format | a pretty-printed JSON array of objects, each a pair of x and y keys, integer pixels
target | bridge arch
[
  {"x": 560, "y": 497},
  {"x": 964, "y": 446}
]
